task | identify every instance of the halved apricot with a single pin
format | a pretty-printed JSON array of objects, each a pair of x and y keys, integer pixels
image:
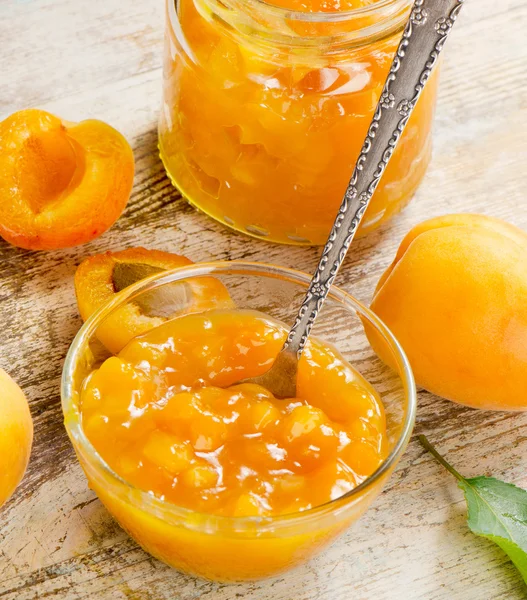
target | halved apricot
[
  {"x": 100, "y": 277},
  {"x": 61, "y": 183}
]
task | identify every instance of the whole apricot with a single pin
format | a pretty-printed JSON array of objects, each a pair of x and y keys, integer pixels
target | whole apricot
[
  {"x": 61, "y": 184},
  {"x": 456, "y": 299},
  {"x": 16, "y": 435}
]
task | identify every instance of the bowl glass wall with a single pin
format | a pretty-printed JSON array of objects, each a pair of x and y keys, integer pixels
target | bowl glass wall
[{"x": 244, "y": 548}]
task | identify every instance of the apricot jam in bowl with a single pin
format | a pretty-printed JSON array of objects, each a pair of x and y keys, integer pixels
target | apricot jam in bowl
[
  {"x": 218, "y": 478},
  {"x": 266, "y": 106}
]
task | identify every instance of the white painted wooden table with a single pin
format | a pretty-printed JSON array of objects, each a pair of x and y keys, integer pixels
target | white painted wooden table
[{"x": 102, "y": 58}]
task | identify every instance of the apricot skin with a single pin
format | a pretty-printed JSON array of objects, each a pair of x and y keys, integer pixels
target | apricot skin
[
  {"x": 62, "y": 184},
  {"x": 16, "y": 435},
  {"x": 456, "y": 299}
]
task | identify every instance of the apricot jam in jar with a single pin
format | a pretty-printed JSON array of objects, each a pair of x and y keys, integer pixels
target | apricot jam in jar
[{"x": 266, "y": 106}]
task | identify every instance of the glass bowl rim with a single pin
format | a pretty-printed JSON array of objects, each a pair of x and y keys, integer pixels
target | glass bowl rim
[{"x": 152, "y": 505}]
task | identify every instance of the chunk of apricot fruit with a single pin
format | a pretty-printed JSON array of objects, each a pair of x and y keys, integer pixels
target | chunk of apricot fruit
[
  {"x": 101, "y": 276},
  {"x": 456, "y": 298},
  {"x": 61, "y": 183},
  {"x": 16, "y": 435}
]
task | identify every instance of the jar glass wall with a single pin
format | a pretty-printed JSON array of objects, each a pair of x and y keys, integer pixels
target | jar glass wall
[{"x": 265, "y": 111}]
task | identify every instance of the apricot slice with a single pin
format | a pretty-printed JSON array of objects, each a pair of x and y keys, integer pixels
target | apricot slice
[
  {"x": 456, "y": 298},
  {"x": 101, "y": 276},
  {"x": 16, "y": 435},
  {"x": 61, "y": 183}
]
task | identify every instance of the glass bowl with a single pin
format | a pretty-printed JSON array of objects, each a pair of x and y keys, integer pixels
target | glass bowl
[{"x": 245, "y": 548}]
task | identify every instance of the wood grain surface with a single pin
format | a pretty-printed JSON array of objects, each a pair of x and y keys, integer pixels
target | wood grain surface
[{"x": 102, "y": 59}]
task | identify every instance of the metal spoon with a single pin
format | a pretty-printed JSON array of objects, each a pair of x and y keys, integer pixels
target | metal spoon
[{"x": 426, "y": 30}]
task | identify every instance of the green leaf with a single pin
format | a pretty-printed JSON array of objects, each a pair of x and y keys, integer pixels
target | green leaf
[{"x": 496, "y": 511}]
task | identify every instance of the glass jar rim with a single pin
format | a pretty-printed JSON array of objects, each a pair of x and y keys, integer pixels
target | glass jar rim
[
  {"x": 323, "y": 16},
  {"x": 152, "y": 505},
  {"x": 267, "y": 26}
]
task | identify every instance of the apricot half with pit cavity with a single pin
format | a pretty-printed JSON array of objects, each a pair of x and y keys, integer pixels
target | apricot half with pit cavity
[
  {"x": 61, "y": 184},
  {"x": 456, "y": 298},
  {"x": 102, "y": 276}
]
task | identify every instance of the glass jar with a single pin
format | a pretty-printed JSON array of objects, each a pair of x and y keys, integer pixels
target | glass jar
[
  {"x": 265, "y": 111},
  {"x": 244, "y": 548}
]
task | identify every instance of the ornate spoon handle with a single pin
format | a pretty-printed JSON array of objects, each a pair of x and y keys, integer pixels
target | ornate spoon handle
[{"x": 427, "y": 29}]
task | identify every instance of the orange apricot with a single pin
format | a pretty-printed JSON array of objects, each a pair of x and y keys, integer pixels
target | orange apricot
[
  {"x": 16, "y": 435},
  {"x": 455, "y": 297},
  {"x": 101, "y": 276},
  {"x": 61, "y": 183}
]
